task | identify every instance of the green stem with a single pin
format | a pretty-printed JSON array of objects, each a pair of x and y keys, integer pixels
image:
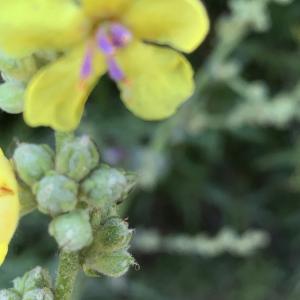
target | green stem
[
  {"x": 66, "y": 276},
  {"x": 69, "y": 266}
]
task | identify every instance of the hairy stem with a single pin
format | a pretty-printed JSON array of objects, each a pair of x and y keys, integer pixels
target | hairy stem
[
  {"x": 68, "y": 261},
  {"x": 66, "y": 276}
]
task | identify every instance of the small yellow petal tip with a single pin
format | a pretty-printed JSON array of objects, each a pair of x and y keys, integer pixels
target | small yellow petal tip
[
  {"x": 3, "y": 252},
  {"x": 9, "y": 204}
]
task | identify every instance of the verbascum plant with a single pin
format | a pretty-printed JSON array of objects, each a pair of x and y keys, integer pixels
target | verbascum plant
[{"x": 52, "y": 54}]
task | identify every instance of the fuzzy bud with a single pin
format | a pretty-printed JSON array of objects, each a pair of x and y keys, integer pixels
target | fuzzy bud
[
  {"x": 114, "y": 264},
  {"x": 32, "y": 162},
  {"x": 112, "y": 236},
  {"x": 9, "y": 294},
  {"x": 20, "y": 69},
  {"x": 106, "y": 187},
  {"x": 39, "y": 294},
  {"x": 77, "y": 158},
  {"x": 12, "y": 97},
  {"x": 36, "y": 278},
  {"x": 72, "y": 231},
  {"x": 56, "y": 194}
]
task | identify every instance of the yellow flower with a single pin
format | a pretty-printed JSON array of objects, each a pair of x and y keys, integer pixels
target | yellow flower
[
  {"x": 9, "y": 205},
  {"x": 134, "y": 40}
]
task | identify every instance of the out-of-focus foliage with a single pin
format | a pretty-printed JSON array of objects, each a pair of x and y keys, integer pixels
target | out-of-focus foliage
[{"x": 230, "y": 158}]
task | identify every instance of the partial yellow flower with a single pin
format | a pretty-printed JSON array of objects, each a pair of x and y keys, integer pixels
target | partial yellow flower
[
  {"x": 132, "y": 40},
  {"x": 9, "y": 205}
]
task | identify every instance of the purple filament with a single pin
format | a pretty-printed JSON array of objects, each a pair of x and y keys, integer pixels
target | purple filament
[
  {"x": 87, "y": 65},
  {"x": 109, "y": 39},
  {"x": 114, "y": 70},
  {"x": 105, "y": 43}
]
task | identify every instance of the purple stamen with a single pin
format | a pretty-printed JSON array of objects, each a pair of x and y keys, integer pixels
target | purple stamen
[
  {"x": 120, "y": 35},
  {"x": 105, "y": 43},
  {"x": 87, "y": 65},
  {"x": 110, "y": 37},
  {"x": 114, "y": 70}
]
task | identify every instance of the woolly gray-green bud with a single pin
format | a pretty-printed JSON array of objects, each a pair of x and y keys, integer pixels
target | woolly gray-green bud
[
  {"x": 12, "y": 97},
  {"x": 56, "y": 194},
  {"x": 77, "y": 158},
  {"x": 32, "y": 162},
  {"x": 20, "y": 69},
  {"x": 113, "y": 235},
  {"x": 114, "y": 264},
  {"x": 107, "y": 186},
  {"x": 9, "y": 294},
  {"x": 72, "y": 231},
  {"x": 34, "y": 279},
  {"x": 39, "y": 294}
]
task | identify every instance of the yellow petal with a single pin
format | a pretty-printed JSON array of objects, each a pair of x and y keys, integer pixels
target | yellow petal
[
  {"x": 3, "y": 252},
  {"x": 56, "y": 96},
  {"x": 158, "y": 80},
  {"x": 182, "y": 24},
  {"x": 104, "y": 8},
  {"x": 9, "y": 204},
  {"x": 31, "y": 25}
]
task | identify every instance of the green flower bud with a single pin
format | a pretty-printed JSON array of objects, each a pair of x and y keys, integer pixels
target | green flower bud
[
  {"x": 72, "y": 231},
  {"x": 36, "y": 278},
  {"x": 12, "y": 97},
  {"x": 39, "y": 294},
  {"x": 106, "y": 187},
  {"x": 56, "y": 194},
  {"x": 9, "y": 294},
  {"x": 114, "y": 264},
  {"x": 32, "y": 162},
  {"x": 77, "y": 158},
  {"x": 20, "y": 69},
  {"x": 19, "y": 285},
  {"x": 113, "y": 235}
]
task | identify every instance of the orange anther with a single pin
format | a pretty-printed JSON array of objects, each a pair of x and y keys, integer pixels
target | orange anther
[{"x": 4, "y": 191}]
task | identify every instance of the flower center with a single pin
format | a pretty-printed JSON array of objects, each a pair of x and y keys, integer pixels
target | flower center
[{"x": 109, "y": 38}]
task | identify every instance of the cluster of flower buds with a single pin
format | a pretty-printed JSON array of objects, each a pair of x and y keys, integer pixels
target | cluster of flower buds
[
  {"x": 81, "y": 195},
  {"x": 34, "y": 285}
]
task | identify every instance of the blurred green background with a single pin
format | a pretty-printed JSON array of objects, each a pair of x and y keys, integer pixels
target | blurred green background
[{"x": 217, "y": 211}]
